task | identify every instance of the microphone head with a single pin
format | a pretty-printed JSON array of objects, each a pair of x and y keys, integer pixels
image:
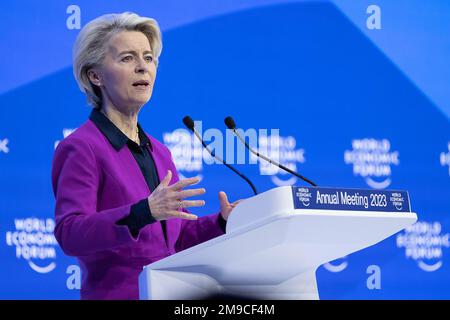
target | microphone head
[
  {"x": 189, "y": 123},
  {"x": 229, "y": 122}
]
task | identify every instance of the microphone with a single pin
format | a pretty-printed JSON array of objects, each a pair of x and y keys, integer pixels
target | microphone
[
  {"x": 229, "y": 122},
  {"x": 189, "y": 123}
]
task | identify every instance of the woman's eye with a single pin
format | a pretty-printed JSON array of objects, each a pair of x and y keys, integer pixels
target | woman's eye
[
  {"x": 127, "y": 58},
  {"x": 149, "y": 58}
]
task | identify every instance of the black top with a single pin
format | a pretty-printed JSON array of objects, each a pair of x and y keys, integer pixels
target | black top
[{"x": 140, "y": 214}]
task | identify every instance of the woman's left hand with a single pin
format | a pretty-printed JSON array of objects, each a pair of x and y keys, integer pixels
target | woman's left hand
[{"x": 225, "y": 206}]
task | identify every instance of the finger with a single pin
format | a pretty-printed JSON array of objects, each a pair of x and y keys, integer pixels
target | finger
[
  {"x": 180, "y": 214},
  {"x": 223, "y": 197},
  {"x": 189, "y": 193},
  {"x": 184, "y": 183},
  {"x": 165, "y": 182},
  {"x": 193, "y": 203}
]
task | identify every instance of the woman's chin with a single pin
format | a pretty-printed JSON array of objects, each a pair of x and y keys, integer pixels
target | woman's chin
[{"x": 140, "y": 101}]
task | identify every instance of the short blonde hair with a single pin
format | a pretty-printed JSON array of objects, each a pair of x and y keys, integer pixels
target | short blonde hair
[{"x": 89, "y": 49}]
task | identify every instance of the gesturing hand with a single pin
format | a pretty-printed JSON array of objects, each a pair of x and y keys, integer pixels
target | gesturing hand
[
  {"x": 167, "y": 201},
  {"x": 225, "y": 206}
]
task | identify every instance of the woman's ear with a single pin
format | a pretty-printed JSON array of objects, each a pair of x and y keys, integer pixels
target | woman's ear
[{"x": 95, "y": 77}]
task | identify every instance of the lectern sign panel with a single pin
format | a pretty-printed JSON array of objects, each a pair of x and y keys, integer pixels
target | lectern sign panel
[{"x": 350, "y": 199}]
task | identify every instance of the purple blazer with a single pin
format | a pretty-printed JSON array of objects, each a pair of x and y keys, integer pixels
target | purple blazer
[{"x": 94, "y": 187}]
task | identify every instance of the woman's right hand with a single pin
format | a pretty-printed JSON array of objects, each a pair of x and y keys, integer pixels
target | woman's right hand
[{"x": 167, "y": 201}]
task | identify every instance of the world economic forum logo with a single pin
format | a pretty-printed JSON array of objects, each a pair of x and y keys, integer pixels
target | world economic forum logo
[
  {"x": 34, "y": 242},
  {"x": 445, "y": 158},
  {"x": 304, "y": 196},
  {"x": 187, "y": 152},
  {"x": 372, "y": 160},
  {"x": 282, "y": 150},
  {"x": 424, "y": 242}
]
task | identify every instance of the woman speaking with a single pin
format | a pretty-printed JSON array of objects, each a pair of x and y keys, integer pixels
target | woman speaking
[{"x": 119, "y": 202}]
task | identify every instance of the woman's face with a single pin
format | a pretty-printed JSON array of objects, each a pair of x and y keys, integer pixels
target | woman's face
[{"x": 127, "y": 74}]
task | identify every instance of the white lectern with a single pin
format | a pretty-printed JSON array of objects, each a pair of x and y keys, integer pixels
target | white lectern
[{"x": 275, "y": 242}]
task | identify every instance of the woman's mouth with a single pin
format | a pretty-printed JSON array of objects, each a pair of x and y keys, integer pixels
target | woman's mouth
[{"x": 141, "y": 84}]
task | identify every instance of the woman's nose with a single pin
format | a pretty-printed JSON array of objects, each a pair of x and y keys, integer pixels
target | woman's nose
[{"x": 142, "y": 66}]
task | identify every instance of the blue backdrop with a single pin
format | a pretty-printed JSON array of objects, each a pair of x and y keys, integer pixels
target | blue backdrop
[{"x": 358, "y": 90}]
